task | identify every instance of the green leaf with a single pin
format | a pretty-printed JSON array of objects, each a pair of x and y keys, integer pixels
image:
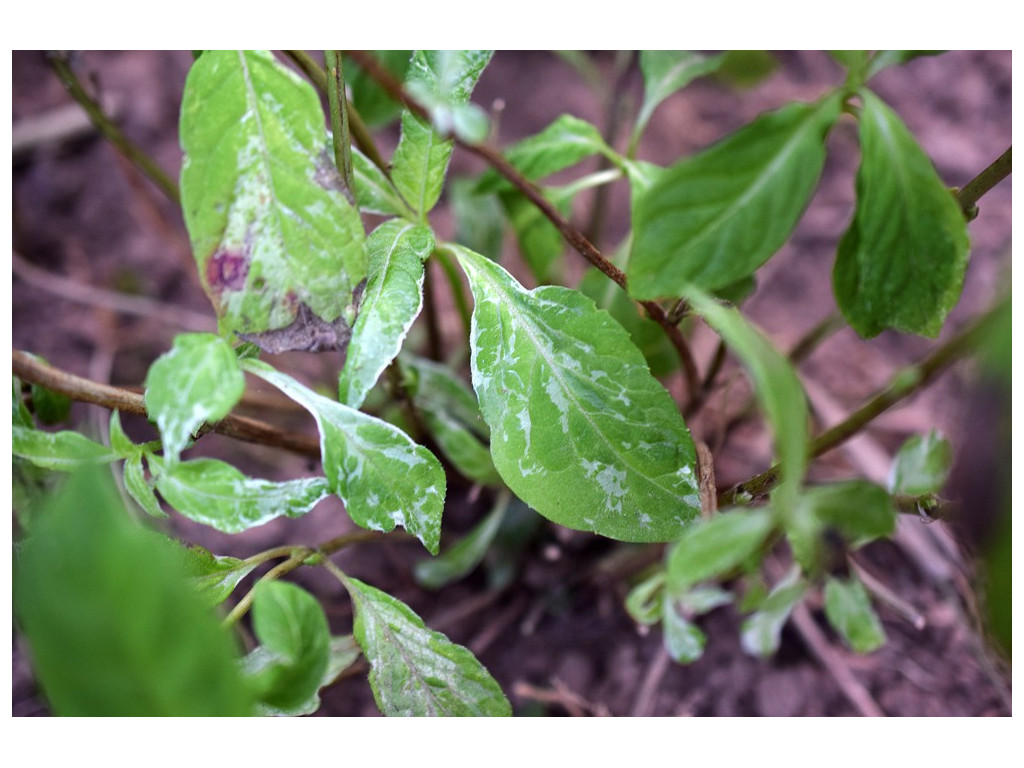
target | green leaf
[
  {"x": 883, "y": 59},
  {"x": 384, "y": 478},
  {"x": 278, "y": 246},
  {"x": 715, "y": 546},
  {"x": 119, "y": 441},
  {"x": 415, "y": 671},
  {"x": 289, "y": 665},
  {"x": 375, "y": 104},
  {"x": 901, "y": 263},
  {"x": 216, "y": 494},
  {"x": 716, "y": 217},
  {"x": 479, "y": 219},
  {"x": 343, "y": 654},
  {"x": 139, "y": 488},
  {"x": 666, "y": 72},
  {"x": 540, "y": 243},
  {"x": 565, "y": 142},
  {"x": 745, "y": 68},
  {"x": 761, "y": 632},
  {"x": 776, "y": 385},
  {"x": 645, "y": 602},
  {"x": 859, "y": 510},
  {"x": 198, "y": 381},
  {"x": 393, "y": 298},
  {"x": 450, "y": 412},
  {"x": 50, "y": 407},
  {"x": 62, "y": 451},
  {"x": 466, "y": 554},
  {"x": 849, "y": 611},
  {"x": 580, "y": 430},
  {"x": 683, "y": 640},
  {"x": 21, "y": 416},
  {"x": 442, "y": 80},
  {"x": 215, "y": 576},
  {"x": 114, "y": 626},
  {"x": 922, "y": 465},
  {"x": 374, "y": 191}
]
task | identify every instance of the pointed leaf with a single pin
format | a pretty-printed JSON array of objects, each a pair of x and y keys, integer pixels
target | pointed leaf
[
  {"x": 859, "y": 510},
  {"x": 114, "y": 626},
  {"x": 62, "y": 451},
  {"x": 384, "y": 478},
  {"x": 216, "y": 494},
  {"x": 580, "y": 430},
  {"x": 565, "y": 142},
  {"x": 279, "y": 248},
  {"x": 666, "y": 72},
  {"x": 374, "y": 191},
  {"x": 391, "y": 302},
  {"x": 215, "y": 576},
  {"x": 715, "y": 546},
  {"x": 415, "y": 671},
  {"x": 849, "y": 611},
  {"x": 441, "y": 80},
  {"x": 762, "y": 630},
  {"x": 139, "y": 488},
  {"x": 119, "y": 441},
  {"x": 683, "y": 640},
  {"x": 716, "y": 217},
  {"x": 883, "y": 59},
  {"x": 466, "y": 554},
  {"x": 198, "y": 381},
  {"x": 289, "y": 665},
  {"x": 901, "y": 263},
  {"x": 922, "y": 465}
]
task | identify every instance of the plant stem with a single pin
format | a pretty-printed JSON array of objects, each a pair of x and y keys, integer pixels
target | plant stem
[
  {"x": 360, "y": 133},
  {"x": 337, "y": 104},
  {"x": 111, "y": 132},
  {"x": 905, "y": 383},
  {"x": 973, "y": 191},
  {"x": 571, "y": 234},
  {"x": 28, "y": 368},
  {"x": 458, "y": 291}
]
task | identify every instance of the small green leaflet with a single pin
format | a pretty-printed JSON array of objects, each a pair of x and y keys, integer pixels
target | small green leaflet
[
  {"x": 776, "y": 384},
  {"x": 565, "y": 142},
  {"x": 883, "y": 59},
  {"x": 119, "y": 441},
  {"x": 450, "y": 412},
  {"x": 762, "y": 630},
  {"x": 921, "y": 465},
  {"x": 62, "y": 451},
  {"x": 50, "y": 407},
  {"x": 391, "y": 302},
  {"x": 848, "y": 609},
  {"x": 198, "y": 381},
  {"x": 666, "y": 72},
  {"x": 713, "y": 547},
  {"x": 859, "y": 510},
  {"x": 216, "y": 494},
  {"x": 139, "y": 488},
  {"x": 215, "y": 576},
  {"x": 683, "y": 640},
  {"x": 375, "y": 105},
  {"x": 901, "y": 263},
  {"x": 128, "y": 636},
  {"x": 384, "y": 478},
  {"x": 444, "y": 80},
  {"x": 466, "y": 554},
  {"x": 540, "y": 242},
  {"x": 716, "y": 217},
  {"x": 415, "y": 671},
  {"x": 374, "y": 191},
  {"x": 278, "y": 246},
  {"x": 580, "y": 430},
  {"x": 288, "y": 666}
]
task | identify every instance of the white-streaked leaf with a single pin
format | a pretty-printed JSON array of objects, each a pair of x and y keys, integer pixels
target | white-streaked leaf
[
  {"x": 393, "y": 297},
  {"x": 384, "y": 478},
  {"x": 62, "y": 451},
  {"x": 216, "y": 494},
  {"x": 197, "y": 381},
  {"x": 278, "y": 246},
  {"x": 580, "y": 430},
  {"x": 683, "y": 640},
  {"x": 415, "y": 671}
]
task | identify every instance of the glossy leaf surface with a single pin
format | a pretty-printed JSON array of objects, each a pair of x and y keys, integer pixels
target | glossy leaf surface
[
  {"x": 278, "y": 246},
  {"x": 415, "y": 671},
  {"x": 391, "y": 302},
  {"x": 215, "y": 576},
  {"x": 580, "y": 430},
  {"x": 384, "y": 478},
  {"x": 716, "y": 217},
  {"x": 197, "y": 381},
  {"x": 216, "y": 494},
  {"x": 139, "y": 488},
  {"x": 62, "y": 451},
  {"x": 127, "y": 635},
  {"x": 901, "y": 263},
  {"x": 715, "y": 546}
]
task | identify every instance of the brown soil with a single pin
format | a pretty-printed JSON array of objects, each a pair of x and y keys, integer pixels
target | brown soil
[{"x": 558, "y": 639}]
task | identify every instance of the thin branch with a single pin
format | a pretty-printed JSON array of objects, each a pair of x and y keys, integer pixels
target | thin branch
[
  {"x": 905, "y": 383},
  {"x": 571, "y": 234},
  {"x": 138, "y": 306},
  {"x": 27, "y": 368},
  {"x": 973, "y": 190},
  {"x": 338, "y": 107},
  {"x": 110, "y": 130}
]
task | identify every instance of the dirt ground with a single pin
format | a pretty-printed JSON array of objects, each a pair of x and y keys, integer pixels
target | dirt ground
[{"x": 558, "y": 639}]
